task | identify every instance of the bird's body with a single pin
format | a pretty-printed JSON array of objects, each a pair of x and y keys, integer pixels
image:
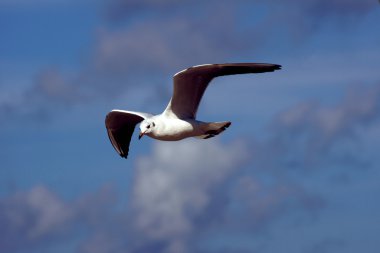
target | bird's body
[
  {"x": 178, "y": 121},
  {"x": 173, "y": 129}
]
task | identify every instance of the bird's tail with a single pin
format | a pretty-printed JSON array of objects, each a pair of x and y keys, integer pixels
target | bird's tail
[{"x": 213, "y": 128}]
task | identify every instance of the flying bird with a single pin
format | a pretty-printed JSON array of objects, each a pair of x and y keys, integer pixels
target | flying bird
[{"x": 178, "y": 120}]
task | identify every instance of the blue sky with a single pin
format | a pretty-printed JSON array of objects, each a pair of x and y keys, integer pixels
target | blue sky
[{"x": 297, "y": 171}]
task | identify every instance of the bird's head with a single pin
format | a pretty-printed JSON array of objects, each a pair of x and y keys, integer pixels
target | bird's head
[{"x": 146, "y": 127}]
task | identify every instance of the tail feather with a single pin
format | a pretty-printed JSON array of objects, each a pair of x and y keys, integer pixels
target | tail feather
[{"x": 213, "y": 129}]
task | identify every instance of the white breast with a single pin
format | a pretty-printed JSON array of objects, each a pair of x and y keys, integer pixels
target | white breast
[{"x": 172, "y": 129}]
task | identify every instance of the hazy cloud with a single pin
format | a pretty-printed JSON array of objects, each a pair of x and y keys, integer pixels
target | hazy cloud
[
  {"x": 187, "y": 189},
  {"x": 41, "y": 3},
  {"x": 302, "y": 18},
  {"x": 328, "y": 245},
  {"x": 50, "y": 91},
  {"x": 121, "y": 59},
  {"x": 261, "y": 203},
  {"x": 38, "y": 217},
  {"x": 122, "y": 9},
  {"x": 311, "y": 133},
  {"x": 340, "y": 7},
  {"x": 161, "y": 45},
  {"x": 182, "y": 192},
  {"x": 337, "y": 7},
  {"x": 31, "y": 218}
]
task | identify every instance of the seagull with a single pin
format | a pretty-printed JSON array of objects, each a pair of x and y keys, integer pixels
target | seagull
[{"x": 178, "y": 120}]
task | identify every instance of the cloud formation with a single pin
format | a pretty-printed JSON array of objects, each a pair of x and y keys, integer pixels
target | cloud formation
[
  {"x": 311, "y": 132},
  {"x": 182, "y": 191},
  {"x": 29, "y": 219},
  {"x": 121, "y": 59},
  {"x": 50, "y": 91},
  {"x": 164, "y": 44},
  {"x": 38, "y": 218},
  {"x": 187, "y": 189},
  {"x": 207, "y": 189},
  {"x": 340, "y": 7},
  {"x": 176, "y": 185}
]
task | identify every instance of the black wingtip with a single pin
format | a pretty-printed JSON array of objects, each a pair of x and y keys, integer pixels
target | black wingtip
[
  {"x": 269, "y": 65},
  {"x": 124, "y": 153},
  {"x": 125, "y": 156},
  {"x": 274, "y": 67}
]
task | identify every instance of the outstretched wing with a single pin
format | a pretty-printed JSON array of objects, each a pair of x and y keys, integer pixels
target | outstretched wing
[
  {"x": 120, "y": 126},
  {"x": 191, "y": 83}
]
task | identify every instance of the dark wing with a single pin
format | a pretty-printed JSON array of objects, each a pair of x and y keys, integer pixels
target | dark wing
[
  {"x": 191, "y": 83},
  {"x": 120, "y": 126}
]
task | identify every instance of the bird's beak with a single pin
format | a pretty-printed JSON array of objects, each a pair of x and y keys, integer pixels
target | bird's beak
[{"x": 141, "y": 135}]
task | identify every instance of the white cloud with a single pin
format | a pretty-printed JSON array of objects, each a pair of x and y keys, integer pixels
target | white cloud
[
  {"x": 174, "y": 185},
  {"x": 181, "y": 190}
]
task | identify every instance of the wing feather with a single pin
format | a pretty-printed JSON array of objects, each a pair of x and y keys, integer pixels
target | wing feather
[
  {"x": 120, "y": 126},
  {"x": 190, "y": 84}
]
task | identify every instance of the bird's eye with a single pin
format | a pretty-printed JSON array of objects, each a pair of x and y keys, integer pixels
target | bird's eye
[
  {"x": 153, "y": 124},
  {"x": 148, "y": 127}
]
